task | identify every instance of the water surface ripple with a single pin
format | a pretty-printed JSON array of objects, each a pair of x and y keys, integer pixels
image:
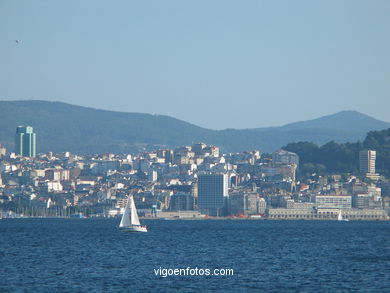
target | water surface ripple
[{"x": 91, "y": 255}]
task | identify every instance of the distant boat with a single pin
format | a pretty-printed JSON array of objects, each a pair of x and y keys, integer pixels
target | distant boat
[
  {"x": 130, "y": 221},
  {"x": 340, "y": 217}
]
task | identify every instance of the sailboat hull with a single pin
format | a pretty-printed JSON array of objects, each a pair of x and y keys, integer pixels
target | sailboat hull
[{"x": 133, "y": 228}]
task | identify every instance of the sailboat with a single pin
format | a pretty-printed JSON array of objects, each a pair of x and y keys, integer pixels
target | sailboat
[
  {"x": 130, "y": 221},
  {"x": 340, "y": 217}
]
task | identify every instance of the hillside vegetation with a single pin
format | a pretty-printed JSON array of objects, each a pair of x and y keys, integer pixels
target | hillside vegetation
[
  {"x": 62, "y": 127},
  {"x": 340, "y": 158}
]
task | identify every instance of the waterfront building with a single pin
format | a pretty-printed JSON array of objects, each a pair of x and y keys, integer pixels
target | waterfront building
[
  {"x": 334, "y": 201},
  {"x": 365, "y": 214},
  {"x": 361, "y": 201},
  {"x": 283, "y": 213},
  {"x": 25, "y": 141},
  {"x": 251, "y": 203},
  {"x": 213, "y": 194},
  {"x": 237, "y": 203},
  {"x": 352, "y": 214},
  {"x": 262, "y": 206},
  {"x": 181, "y": 201},
  {"x": 246, "y": 203}
]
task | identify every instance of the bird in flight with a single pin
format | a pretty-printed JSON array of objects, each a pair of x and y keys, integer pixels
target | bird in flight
[{"x": 17, "y": 41}]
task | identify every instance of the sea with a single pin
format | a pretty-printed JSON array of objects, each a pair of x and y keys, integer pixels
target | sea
[{"x": 92, "y": 255}]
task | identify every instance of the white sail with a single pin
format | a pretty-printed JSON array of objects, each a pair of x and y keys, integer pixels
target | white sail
[
  {"x": 340, "y": 217},
  {"x": 130, "y": 221},
  {"x": 134, "y": 215},
  {"x": 48, "y": 205},
  {"x": 125, "y": 222}
]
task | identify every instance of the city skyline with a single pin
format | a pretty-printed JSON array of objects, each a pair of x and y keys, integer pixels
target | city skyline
[
  {"x": 200, "y": 62},
  {"x": 194, "y": 181}
]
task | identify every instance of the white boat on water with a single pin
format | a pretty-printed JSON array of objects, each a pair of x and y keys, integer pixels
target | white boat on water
[
  {"x": 340, "y": 217},
  {"x": 130, "y": 221}
]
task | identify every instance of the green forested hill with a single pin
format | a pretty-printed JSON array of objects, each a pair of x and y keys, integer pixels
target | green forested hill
[
  {"x": 63, "y": 127},
  {"x": 339, "y": 158}
]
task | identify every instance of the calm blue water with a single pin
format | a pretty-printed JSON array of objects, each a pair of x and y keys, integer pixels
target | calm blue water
[{"x": 63, "y": 255}]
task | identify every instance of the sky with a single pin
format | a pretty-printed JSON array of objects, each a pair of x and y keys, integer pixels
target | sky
[{"x": 215, "y": 63}]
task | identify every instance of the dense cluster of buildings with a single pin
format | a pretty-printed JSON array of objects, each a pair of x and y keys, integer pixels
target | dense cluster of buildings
[{"x": 187, "y": 182}]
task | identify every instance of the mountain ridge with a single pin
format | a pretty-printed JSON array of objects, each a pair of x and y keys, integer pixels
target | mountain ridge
[
  {"x": 345, "y": 120},
  {"x": 65, "y": 127}
]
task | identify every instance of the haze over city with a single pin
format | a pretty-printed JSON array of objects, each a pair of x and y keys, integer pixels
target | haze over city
[{"x": 217, "y": 64}]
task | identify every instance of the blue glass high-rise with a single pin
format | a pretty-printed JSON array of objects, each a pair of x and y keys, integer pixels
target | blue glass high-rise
[{"x": 25, "y": 141}]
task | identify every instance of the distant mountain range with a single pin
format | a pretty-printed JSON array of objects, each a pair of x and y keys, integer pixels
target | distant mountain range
[{"x": 64, "y": 127}]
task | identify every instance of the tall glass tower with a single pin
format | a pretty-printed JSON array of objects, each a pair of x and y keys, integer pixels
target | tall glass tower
[
  {"x": 25, "y": 141},
  {"x": 213, "y": 194}
]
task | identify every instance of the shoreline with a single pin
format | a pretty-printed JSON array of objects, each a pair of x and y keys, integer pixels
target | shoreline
[{"x": 202, "y": 219}]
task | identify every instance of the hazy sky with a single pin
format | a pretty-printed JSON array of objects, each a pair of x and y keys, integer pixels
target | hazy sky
[{"x": 218, "y": 64}]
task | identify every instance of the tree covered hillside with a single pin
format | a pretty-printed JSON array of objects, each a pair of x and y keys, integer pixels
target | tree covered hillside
[{"x": 339, "y": 158}]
